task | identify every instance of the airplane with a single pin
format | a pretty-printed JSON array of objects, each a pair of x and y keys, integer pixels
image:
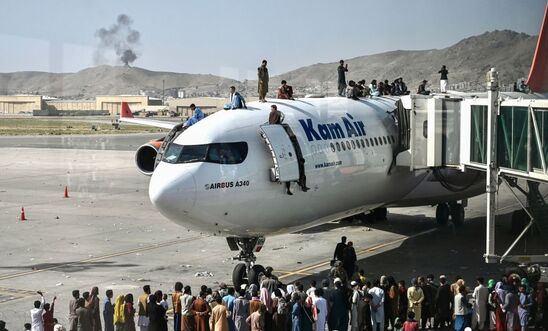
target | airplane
[{"x": 234, "y": 175}]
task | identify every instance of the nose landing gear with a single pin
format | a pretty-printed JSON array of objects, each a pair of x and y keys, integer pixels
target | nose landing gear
[{"x": 247, "y": 272}]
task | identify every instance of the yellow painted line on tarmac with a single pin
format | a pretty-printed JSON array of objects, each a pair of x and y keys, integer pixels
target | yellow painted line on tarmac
[
  {"x": 305, "y": 271},
  {"x": 101, "y": 257},
  {"x": 294, "y": 272}
]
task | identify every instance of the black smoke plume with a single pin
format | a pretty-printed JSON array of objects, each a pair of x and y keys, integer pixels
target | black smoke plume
[{"x": 121, "y": 38}]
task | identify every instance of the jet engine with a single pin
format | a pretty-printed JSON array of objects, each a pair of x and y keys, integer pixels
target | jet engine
[{"x": 145, "y": 157}]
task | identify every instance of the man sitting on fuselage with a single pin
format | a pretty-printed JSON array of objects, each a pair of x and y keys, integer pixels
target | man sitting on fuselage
[{"x": 198, "y": 116}]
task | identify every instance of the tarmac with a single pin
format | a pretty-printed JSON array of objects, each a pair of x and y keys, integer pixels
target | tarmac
[{"x": 107, "y": 233}]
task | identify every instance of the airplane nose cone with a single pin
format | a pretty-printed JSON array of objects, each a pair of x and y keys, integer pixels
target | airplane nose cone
[{"x": 172, "y": 190}]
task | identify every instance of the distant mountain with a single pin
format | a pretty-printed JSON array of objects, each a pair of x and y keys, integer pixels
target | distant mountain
[
  {"x": 106, "y": 80},
  {"x": 467, "y": 62}
]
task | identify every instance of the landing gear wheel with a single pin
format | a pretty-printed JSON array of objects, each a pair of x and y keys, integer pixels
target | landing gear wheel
[
  {"x": 239, "y": 275},
  {"x": 457, "y": 214},
  {"x": 442, "y": 214},
  {"x": 519, "y": 220},
  {"x": 253, "y": 274},
  {"x": 380, "y": 214}
]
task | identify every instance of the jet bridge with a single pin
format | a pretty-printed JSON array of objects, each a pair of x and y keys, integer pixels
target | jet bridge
[{"x": 505, "y": 136}]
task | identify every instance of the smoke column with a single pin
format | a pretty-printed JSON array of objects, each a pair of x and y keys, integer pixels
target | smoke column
[{"x": 121, "y": 38}]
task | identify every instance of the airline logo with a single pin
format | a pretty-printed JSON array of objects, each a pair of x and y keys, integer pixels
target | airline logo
[{"x": 328, "y": 131}]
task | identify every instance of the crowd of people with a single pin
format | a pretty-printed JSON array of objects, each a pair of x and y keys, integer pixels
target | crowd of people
[
  {"x": 352, "y": 90},
  {"x": 397, "y": 87},
  {"x": 346, "y": 299}
]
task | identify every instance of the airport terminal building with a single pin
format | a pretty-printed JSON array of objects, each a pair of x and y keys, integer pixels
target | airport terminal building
[{"x": 39, "y": 105}]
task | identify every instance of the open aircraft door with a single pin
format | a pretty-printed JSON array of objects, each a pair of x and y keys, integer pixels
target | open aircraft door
[{"x": 284, "y": 156}]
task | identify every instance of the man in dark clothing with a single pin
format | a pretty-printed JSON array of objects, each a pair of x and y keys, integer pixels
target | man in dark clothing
[
  {"x": 338, "y": 319},
  {"x": 341, "y": 81},
  {"x": 3, "y": 326},
  {"x": 275, "y": 116},
  {"x": 443, "y": 79},
  {"x": 339, "y": 250},
  {"x": 428, "y": 305},
  {"x": 108, "y": 312},
  {"x": 366, "y": 312},
  {"x": 349, "y": 260},
  {"x": 444, "y": 301},
  {"x": 422, "y": 88}
]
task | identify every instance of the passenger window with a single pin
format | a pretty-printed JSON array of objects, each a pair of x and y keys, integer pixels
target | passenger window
[
  {"x": 353, "y": 144},
  {"x": 376, "y": 142},
  {"x": 332, "y": 147},
  {"x": 338, "y": 147},
  {"x": 348, "y": 145},
  {"x": 358, "y": 143},
  {"x": 366, "y": 142},
  {"x": 343, "y": 146},
  {"x": 372, "y": 142},
  {"x": 384, "y": 139}
]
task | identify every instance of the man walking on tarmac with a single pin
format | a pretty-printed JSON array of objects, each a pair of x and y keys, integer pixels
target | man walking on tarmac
[{"x": 339, "y": 250}]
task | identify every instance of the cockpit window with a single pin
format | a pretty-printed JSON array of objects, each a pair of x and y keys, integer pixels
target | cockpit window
[
  {"x": 223, "y": 153},
  {"x": 172, "y": 153}
]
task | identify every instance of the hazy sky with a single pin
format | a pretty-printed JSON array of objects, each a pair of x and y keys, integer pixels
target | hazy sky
[{"x": 229, "y": 38}]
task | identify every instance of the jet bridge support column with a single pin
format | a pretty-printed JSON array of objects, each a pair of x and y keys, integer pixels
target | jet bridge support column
[{"x": 492, "y": 167}]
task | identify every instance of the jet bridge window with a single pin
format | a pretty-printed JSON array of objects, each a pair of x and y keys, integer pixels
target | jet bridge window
[{"x": 223, "y": 153}]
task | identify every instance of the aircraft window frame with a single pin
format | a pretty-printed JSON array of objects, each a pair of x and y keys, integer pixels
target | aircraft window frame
[
  {"x": 348, "y": 145},
  {"x": 171, "y": 155},
  {"x": 353, "y": 144},
  {"x": 343, "y": 146},
  {"x": 338, "y": 146},
  {"x": 333, "y": 147}
]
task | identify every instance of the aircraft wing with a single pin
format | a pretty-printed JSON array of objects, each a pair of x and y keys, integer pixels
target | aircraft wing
[{"x": 127, "y": 116}]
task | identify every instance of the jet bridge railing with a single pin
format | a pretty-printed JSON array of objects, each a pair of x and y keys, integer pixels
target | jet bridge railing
[{"x": 522, "y": 137}]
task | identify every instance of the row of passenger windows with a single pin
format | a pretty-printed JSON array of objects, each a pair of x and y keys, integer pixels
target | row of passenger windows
[{"x": 362, "y": 143}]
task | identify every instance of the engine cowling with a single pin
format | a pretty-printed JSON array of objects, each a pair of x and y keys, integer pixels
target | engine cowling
[{"x": 145, "y": 157}]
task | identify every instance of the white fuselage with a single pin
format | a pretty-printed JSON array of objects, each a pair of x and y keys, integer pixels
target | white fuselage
[{"x": 240, "y": 199}]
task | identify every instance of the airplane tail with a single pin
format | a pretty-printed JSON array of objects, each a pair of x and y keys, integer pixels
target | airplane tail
[
  {"x": 126, "y": 112},
  {"x": 538, "y": 75}
]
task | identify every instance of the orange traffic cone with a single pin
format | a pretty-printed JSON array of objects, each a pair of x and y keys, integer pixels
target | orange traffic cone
[
  {"x": 66, "y": 192},
  {"x": 22, "y": 216}
]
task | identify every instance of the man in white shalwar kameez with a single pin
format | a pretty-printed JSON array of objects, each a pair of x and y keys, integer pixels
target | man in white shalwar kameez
[
  {"x": 480, "y": 295},
  {"x": 377, "y": 307},
  {"x": 321, "y": 307}
]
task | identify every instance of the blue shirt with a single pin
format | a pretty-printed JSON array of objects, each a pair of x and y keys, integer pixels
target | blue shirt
[{"x": 198, "y": 116}]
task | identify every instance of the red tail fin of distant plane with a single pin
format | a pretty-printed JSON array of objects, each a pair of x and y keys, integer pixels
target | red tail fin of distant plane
[
  {"x": 126, "y": 112},
  {"x": 538, "y": 75}
]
